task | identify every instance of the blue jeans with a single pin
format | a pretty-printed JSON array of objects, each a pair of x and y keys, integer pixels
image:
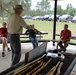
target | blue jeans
[
  {"x": 34, "y": 42},
  {"x": 15, "y": 47}
]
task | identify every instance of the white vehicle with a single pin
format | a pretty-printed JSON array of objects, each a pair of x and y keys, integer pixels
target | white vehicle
[
  {"x": 74, "y": 19},
  {"x": 65, "y": 18}
]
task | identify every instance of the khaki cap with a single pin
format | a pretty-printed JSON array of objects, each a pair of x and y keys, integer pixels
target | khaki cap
[{"x": 18, "y": 7}]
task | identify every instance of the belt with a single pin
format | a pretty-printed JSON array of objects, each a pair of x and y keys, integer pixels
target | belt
[{"x": 14, "y": 34}]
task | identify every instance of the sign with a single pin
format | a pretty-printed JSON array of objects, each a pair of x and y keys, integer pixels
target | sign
[{"x": 35, "y": 52}]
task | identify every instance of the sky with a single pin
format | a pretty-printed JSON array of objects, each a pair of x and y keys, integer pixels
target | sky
[{"x": 63, "y": 3}]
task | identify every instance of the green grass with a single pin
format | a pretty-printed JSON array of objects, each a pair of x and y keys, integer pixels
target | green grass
[{"x": 47, "y": 26}]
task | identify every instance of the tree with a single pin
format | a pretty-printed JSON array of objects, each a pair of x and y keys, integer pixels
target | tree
[
  {"x": 70, "y": 10},
  {"x": 68, "y": 7},
  {"x": 27, "y": 6},
  {"x": 9, "y": 5},
  {"x": 59, "y": 10},
  {"x": 43, "y": 6}
]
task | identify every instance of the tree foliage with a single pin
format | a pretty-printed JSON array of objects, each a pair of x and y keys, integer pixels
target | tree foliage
[
  {"x": 59, "y": 10},
  {"x": 26, "y": 4},
  {"x": 43, "y": 7},
  {"x": 9, "y": 5},
  {"x": 70, "y": 10}
]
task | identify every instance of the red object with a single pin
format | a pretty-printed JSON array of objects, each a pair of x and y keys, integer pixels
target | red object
[
  {"x": 65, "y": 34},
  {"x": 3, "y": 32}
]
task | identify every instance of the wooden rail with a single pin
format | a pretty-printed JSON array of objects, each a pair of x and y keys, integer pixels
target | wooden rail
[{"x": 39, "y": 36}]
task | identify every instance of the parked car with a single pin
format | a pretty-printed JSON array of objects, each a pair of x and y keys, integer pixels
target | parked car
[
  {"x": 27, "y": 17},
  {"x": 46, "y": 17},
  {"x": 65, "y": 18},
  {"x": 51, "y": 18},
  {"x": 74, "y": 19},
  {"x": 38, "y": 18},
  {"x": 41, "y": 18},
  {"x": 57, "y": 17},
  {"x": 35, "y": 17},
  {"x": 24, "y": 16}
]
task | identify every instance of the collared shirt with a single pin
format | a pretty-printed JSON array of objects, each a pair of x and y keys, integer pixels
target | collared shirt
[
  {"x": 15, "y": 24},
  {"x": 65, "y": 34}
]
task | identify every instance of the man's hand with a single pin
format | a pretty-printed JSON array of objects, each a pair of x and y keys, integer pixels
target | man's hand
[{"x": 28, "y": 27}]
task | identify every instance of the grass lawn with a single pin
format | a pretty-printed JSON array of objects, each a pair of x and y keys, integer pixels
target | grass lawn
[{"x": 47, "y": 26}]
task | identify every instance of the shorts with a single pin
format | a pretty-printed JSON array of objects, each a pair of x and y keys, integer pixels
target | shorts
[{"x": 3, "y": 38}]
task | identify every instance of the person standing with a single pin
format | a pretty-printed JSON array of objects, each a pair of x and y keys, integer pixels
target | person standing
[
  {"x": 32, "y": 36},
  {"x": 3, "y": 36},
  {"x": 15, "y": 24},
  {"x": 65, "y": 37}
]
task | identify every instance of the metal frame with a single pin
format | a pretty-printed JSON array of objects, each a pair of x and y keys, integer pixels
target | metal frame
[{"x": 54, "y": 26}]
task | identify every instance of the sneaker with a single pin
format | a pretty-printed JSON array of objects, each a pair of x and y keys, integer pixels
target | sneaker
[
  {"x": 8, "y": 49},
  {"x": 3, "y": 54}
]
